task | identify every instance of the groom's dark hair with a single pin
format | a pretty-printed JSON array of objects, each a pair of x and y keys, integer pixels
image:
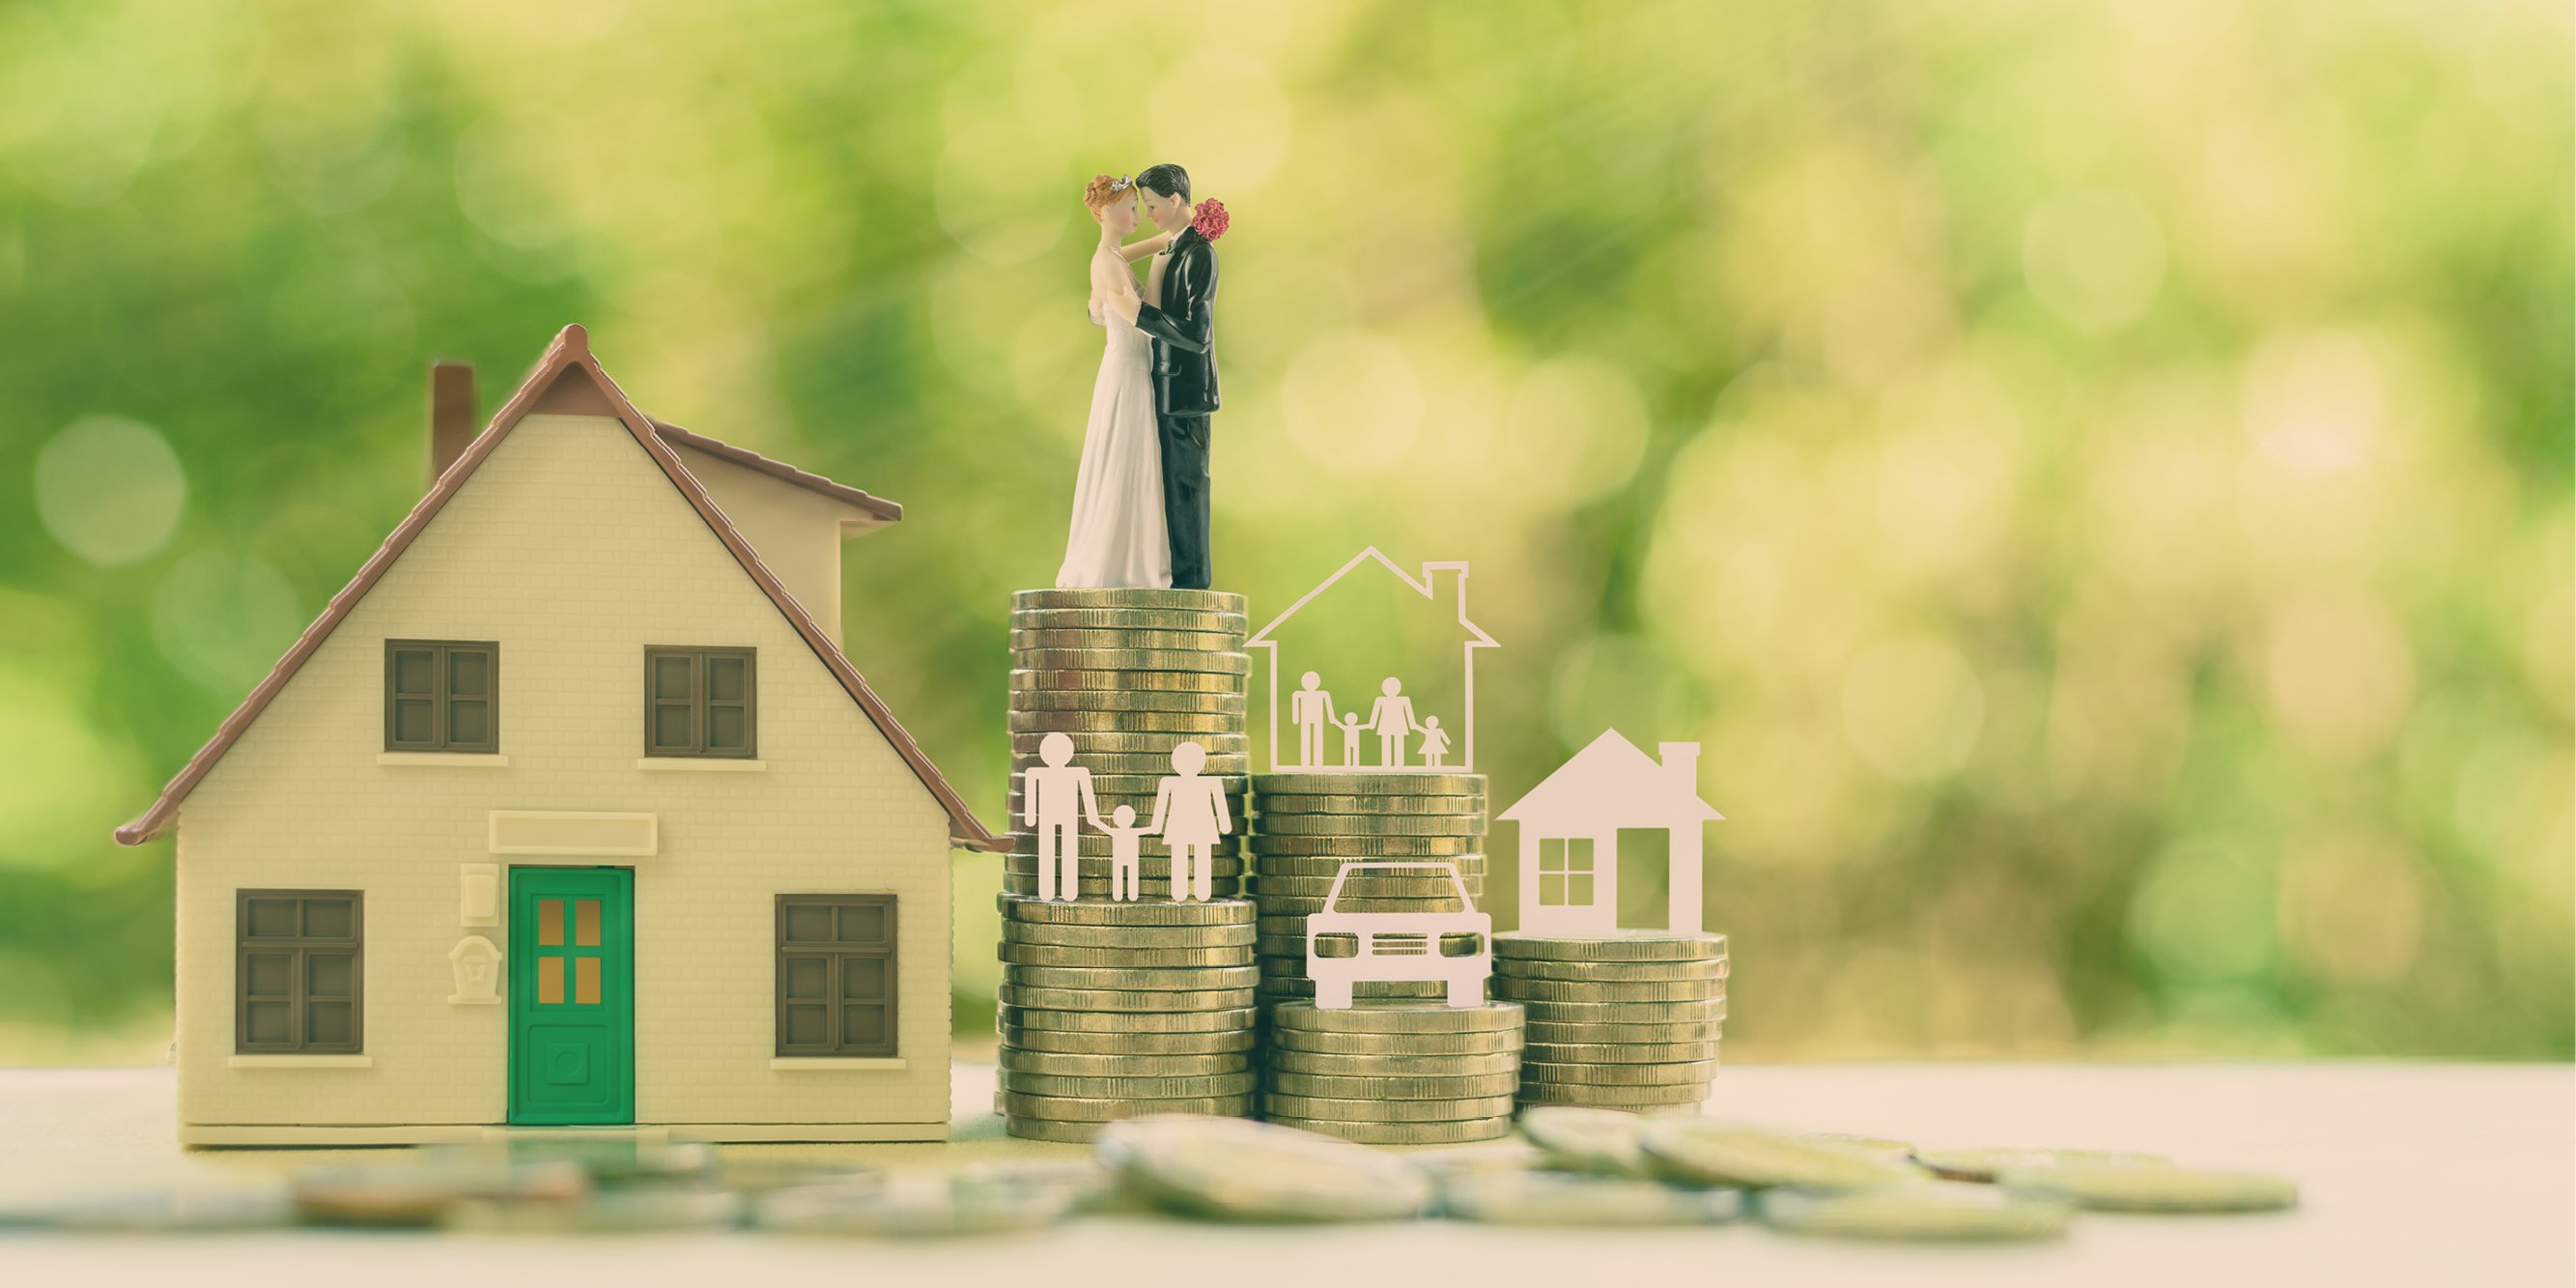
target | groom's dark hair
[{"x": 1166, "y": 179}]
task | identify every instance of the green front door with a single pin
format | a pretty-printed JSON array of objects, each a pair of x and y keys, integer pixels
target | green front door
[{"x": 572, "y": 995}]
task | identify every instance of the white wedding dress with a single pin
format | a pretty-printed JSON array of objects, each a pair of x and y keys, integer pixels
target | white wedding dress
[{"x": 1118, "y": 537}]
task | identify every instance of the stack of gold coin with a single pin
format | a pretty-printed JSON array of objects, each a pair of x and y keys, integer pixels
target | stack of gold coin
[
  {"x": 1306, "y": 826},
  {"x": 1626, "y": 1020},
  {"x": 1114, "y": 1010},
  {"x": 1128, "y": 676},
  {"x": 1394, "y": 1073}
]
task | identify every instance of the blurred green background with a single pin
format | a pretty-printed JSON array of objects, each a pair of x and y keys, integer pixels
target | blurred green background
[{"x": 2096, "y": 476}]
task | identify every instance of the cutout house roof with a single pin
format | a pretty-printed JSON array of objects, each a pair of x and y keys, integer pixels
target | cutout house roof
[
  {"x": 1611, "y": 785},
  {"x": 569, "y": 381}
]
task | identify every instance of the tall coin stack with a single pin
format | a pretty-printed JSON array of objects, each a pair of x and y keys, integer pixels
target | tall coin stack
[
  {"x": 1627, "y": 1020},
  {"x": 1306, "y": 826},
  {"x": 1129, "y": 675},
  {"x": 1115, "y": 1009},
  {"x": 1394, "y": 1073},
  {"x": 1118, "y": 1009}
]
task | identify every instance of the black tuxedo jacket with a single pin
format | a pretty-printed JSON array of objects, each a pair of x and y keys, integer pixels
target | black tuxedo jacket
[{"x": 1182, "y": 326}]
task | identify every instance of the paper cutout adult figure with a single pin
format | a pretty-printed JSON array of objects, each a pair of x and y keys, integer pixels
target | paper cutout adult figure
[
  {"x": 1125, "y": 841},
  {"x": 1351, "y": 739},
  {"x": 1190, "y": 813},
  {"x": 1392, "y": 720},
  {"x": 1054, "y": 800},
  {"x": 1310, "y": 708},
  {"x": 1117, "y": 536},
  {"x": 1179, "y": 316},
  {"x": 1435, "y": 742}
]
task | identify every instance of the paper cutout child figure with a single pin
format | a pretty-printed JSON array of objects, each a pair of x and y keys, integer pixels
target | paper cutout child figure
[
  {"x": 1435, "y": 742},
  {"x": 1190, "y": 813},
  {"x": 1310, "y": 708},
  {"x": 1351, "y": 739},
  {"x": 1392, "y": 720},
  {"x": 1125, "y": 840},
  {"x": 1055, "y": 800}
]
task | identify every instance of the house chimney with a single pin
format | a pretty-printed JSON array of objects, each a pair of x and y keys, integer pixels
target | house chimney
[
  {"x": 451, "y": 414},
  {"x": 1681, "y": 764}
]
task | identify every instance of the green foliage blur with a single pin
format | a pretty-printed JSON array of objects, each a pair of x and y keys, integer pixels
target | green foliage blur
[{"x": 2096, "y": 476}]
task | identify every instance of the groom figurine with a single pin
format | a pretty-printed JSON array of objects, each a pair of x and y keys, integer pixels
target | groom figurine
[{"x": 1179, "y": 316}]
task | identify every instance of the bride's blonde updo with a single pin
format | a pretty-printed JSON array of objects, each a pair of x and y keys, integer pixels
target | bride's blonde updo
[{"x": 1107, "y": 190}]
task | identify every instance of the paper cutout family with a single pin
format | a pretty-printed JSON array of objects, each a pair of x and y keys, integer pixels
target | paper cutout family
[{"x": 1189, "y": 815}]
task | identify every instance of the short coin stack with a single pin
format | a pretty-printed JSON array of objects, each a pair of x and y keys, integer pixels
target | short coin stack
[
  {"x": 1128, "y": 675},
  {"x": 1112, "y": 1010},
  {"x": 1306, "y": 826},
  {"x": 1394, "y": 1073},
  {"x": 1627, "y": 1020}
]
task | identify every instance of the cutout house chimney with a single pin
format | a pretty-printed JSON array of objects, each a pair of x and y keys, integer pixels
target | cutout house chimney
[
  {"x": 451, "y": 414},
  {"x": 1681, "y": 764}
]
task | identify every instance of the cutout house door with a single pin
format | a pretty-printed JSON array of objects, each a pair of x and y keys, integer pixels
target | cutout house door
[{"x": 572, "y": 995}]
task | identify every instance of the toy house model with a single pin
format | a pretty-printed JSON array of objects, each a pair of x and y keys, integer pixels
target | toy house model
[
  {"x": 1569, "y": 833},
  {"x": 570, "y": 811},
  {"x": 1439, "y": 582}
]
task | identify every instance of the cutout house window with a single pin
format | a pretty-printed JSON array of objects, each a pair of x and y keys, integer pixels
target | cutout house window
[
  {"x": 1565, "y": 872},
  {"x": 297, "y": 975},
  {"x": 836, "y": 975},
  {"x": 700, "y": 702},
  {"x": 442, "y": 695}
]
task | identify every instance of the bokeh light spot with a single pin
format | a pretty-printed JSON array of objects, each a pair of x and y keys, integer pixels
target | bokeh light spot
[
  {"x": 110, "y": 489},
  {"x": 1220, "y": 116},
  {"x": 1353, "y": 400},
  {"x": 2094, "y": 258},
  {"x": 2314, "y": 402},
  {"x": 223, "y": 619},
  {"x": 1912, "y": 707},
  {"x": 2204, "y": 913},
  {"x": 2337, "y": 673}
]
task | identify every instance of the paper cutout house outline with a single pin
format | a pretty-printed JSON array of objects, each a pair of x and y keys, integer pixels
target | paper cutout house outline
[
  {"x": 578, "y": 700},
  {"x": 1426, "y": 586},
  {"x": 1569, "y": 833}
]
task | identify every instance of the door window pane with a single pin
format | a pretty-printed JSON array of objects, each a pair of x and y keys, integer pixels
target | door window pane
[
  {"x": 550, "y": 922},
  {"x": 585, "y": 922},
  {"x": 550, "y": 981},
  {"x": 585, "y": 981}
]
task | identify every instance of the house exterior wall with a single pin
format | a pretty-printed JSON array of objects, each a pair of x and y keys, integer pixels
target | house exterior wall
[
  {"x": 797, "y": 532},
  {"x": 575, "y": 552}
]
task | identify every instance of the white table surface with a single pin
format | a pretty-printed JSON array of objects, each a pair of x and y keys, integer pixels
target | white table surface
[{"x": 2411, "y": 1174}]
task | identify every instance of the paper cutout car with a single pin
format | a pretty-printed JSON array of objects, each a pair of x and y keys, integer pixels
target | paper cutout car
[{"x": 1455, "y": 948}]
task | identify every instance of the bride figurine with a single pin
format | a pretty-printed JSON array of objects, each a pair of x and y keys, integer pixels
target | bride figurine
[{"x": 1118, "y": 536}]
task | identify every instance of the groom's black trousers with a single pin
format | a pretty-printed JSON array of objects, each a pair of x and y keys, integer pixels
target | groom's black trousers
[{"x": 1185, "y": 497}]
